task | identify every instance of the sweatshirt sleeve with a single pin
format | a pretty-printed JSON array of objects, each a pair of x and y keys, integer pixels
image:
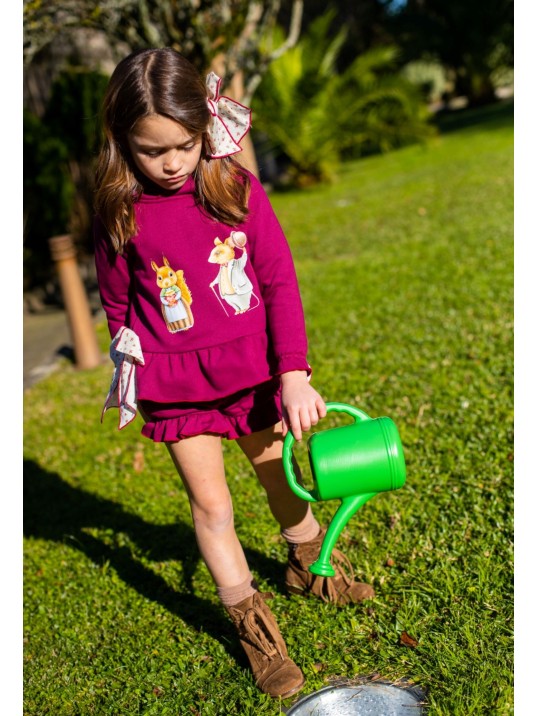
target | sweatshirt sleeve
[
  {"x": 274, "y": 268},
  {"x": 113, "y": 278}
]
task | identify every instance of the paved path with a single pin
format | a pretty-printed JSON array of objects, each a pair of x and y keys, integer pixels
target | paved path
[{"x": 46, "y": 338}]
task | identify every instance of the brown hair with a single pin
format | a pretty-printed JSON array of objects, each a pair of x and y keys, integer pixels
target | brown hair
[{"x": 160, "y": 82}]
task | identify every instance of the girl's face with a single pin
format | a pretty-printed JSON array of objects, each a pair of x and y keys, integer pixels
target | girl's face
[{"x": 164, "y": 151}]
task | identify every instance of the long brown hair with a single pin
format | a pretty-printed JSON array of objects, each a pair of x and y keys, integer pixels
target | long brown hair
[{"x": 160, "y": 82}]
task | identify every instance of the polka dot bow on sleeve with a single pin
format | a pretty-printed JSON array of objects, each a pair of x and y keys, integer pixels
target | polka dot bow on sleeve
[
  {"x": 230, "y": 120},
  {"x": 126, "y": 352}
]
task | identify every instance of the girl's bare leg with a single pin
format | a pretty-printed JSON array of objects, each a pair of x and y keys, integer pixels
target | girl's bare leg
[
  {"x": 264, "y": 450},
  {"x": 200, "y": 464}
]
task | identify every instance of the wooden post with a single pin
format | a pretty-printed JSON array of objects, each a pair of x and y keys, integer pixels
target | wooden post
[{"x": 86, "y": 349}]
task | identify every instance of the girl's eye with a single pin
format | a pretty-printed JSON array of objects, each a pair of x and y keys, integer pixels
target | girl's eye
[{"x": 158, "y": 152}]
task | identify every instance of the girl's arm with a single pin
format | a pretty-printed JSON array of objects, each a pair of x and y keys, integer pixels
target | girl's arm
[
  {"x": 275, "y": 271},
  {"x": 113, "y": 278},
  {"x": 273, "y": 264}
]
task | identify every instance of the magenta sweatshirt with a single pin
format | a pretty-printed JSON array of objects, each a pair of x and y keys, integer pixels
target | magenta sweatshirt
[{"x": 217, "y": 309}]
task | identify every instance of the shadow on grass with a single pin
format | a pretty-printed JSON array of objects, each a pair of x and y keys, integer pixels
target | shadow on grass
[{"x": 58, "y": 512}]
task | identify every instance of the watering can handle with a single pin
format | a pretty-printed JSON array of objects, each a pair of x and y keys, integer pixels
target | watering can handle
[
  {"x": 350, "y": 409},
  {"x": 288, "y": 449}
]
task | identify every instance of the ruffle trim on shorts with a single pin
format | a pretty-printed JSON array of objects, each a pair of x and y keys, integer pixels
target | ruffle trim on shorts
[
  {"x": 210, "y": 422},
  {"x": 174, "y": 429}
]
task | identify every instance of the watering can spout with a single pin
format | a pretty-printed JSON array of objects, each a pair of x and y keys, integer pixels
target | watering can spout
[
  {"x": 349, "y": 505},
  {"x": 352, "y": 463}
]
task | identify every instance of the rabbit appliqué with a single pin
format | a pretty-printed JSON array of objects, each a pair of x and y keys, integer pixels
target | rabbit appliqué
[
  {"x": 234, "y": 286},
  {"x": 175, "y": 297}
]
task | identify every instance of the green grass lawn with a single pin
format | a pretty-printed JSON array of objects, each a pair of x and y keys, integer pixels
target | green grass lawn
[{"x": 406, "y": 270}]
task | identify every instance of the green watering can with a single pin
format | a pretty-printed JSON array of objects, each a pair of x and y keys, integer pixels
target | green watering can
[{"x": 352, "y": 463}]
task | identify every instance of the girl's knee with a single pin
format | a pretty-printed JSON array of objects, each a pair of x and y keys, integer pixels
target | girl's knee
[{"x": 213, "y": 515}]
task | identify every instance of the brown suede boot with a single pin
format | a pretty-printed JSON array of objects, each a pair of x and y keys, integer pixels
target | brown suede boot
[
  {"x": 274, "y": 672},
  {"x": 340, "y": 589}
]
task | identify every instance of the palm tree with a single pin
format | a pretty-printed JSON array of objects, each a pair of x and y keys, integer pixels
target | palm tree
[{"x": 313, "y": 114}]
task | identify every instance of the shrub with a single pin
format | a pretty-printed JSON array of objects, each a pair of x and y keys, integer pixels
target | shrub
[
  {"x": 314, "y": 114},
  {"x": 59, "y": 151},
  {"x": 48, "y": 193}
]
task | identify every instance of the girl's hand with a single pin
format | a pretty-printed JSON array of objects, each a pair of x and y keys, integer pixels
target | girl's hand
[{"x": 302, "y": 406}]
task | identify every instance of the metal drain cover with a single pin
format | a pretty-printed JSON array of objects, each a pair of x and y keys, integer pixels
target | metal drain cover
[{"x": 373, "y": 699}]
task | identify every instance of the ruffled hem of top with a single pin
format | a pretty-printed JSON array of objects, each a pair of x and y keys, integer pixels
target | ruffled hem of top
[
  {"x": 210, "y": 422},
  {"x": 210, "y": 373}
]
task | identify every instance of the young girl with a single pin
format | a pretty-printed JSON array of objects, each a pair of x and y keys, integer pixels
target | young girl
[{"x": 201, "y": 296}]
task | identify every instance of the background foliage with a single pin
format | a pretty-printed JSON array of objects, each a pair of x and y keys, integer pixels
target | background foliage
[
  {"x": 315, "y": 115},
  {"x": 59, "y": 152},
  {"x": 471, "y": 40}
]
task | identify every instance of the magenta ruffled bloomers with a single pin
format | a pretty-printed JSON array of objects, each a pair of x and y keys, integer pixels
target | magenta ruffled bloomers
[{"x": 245, "y": 412}]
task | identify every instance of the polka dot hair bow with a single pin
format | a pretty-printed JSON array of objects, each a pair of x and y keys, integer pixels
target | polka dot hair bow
[{"x": 230, "y": 120}]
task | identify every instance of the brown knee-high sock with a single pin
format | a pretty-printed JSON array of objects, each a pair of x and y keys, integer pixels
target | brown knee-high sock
[
  {"x": 230, "y": 596},
  {"x": 306, "y": 530}
]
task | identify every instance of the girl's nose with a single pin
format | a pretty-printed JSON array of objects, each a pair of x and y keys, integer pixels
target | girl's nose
[{"x": 172, "y": 162}]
